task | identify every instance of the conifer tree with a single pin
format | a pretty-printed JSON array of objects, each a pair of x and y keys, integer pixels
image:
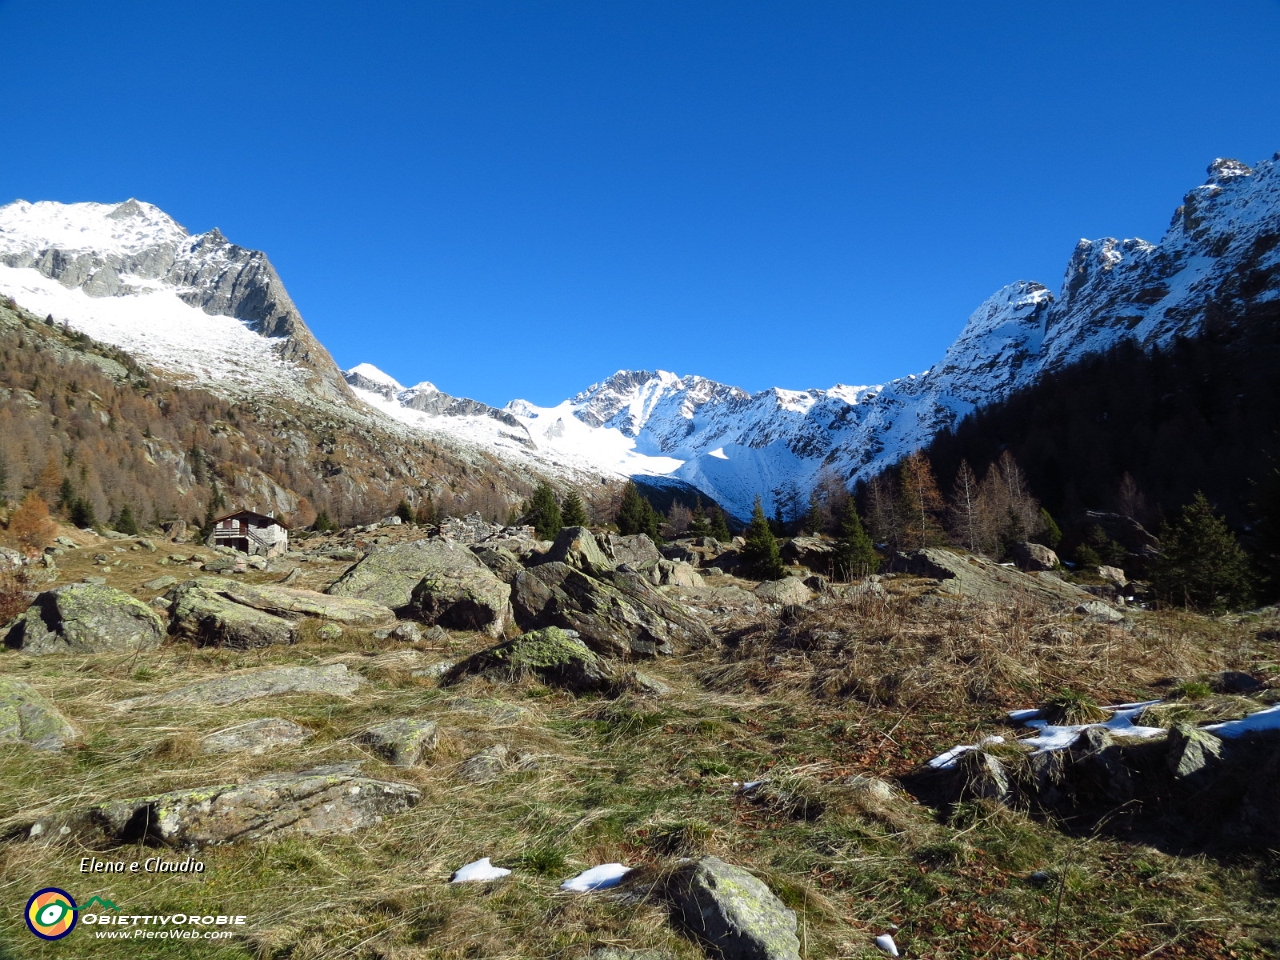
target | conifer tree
[
  {"x": 81, "y": 514},
  {"x": 632, "y": 515},
  {"x": 814, "y": 521},
  {"x": 760, "y": 552},
  {"x": 1201, "y": 565},
  {"x": 543, "y": 513},
  {"x": 404, "y": 511},
  {"x": 856, "y": 555},
  {"x": 699, "y": 525},
  {"x": 920, "y": 503},
  {"x": 66, "y": 494},
  {"x": 30, "y": 524},
  {"x": 573, "y": 513},
  {"x": 426, "y": 514},
  {"x": 125, "y": 523},
  {"x": 719, "y": 526}
]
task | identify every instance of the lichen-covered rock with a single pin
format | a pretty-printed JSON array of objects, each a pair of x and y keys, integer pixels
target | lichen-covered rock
[
  {"x": 978, "y": 577},
  {"x": 813, "y": 552},
  {"x": 577, "y": 547},
  {"x": 504, "y": 564},
  {"x": 788, "y": 590},
  {"x": 1191, "y": 750},
  {"x": 291, "y": 603},
  {"x": 209, "y": 618},
  {"x": 1100, "y": 612},
  {"x": 402, "y": 742},
  {"x": 554, "y": 656},
  {"x": 86, "y": 618},
  {"x": 731, "y": 911},
  {"x": 487, "y": 765},
  {"x": 255, "y": 737},
  {"x": 388, "y": 575},
  {"x": 616, "y": 614},
  {"x": 319, "y": 802},
  {"x": 334, "y": 680},
  {"x": 467, "y": 596},
  {"x": 27, "y": 717},
  {"x": 672, "y": 573},
  {"x": 1034, "y": 556},
  {"x": 636, "y": 549}
]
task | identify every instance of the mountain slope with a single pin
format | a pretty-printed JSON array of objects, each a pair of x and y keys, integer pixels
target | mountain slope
[
  {"x": 131, "y": 276},
  {"x": 215, "y": 312}
]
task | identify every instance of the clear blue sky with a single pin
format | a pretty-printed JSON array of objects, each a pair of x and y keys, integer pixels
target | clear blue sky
[{"x": 515, "y": 199}]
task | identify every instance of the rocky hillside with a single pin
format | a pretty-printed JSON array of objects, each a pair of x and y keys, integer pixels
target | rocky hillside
[
  {"x": 416, "y": 742},
  {"x": 119, "y": 432}
]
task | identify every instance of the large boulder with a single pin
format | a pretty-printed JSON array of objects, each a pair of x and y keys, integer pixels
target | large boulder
[
  {"x": 1034, "y": 556},
  {"x": 554, "y": 656},
  {"x": 403, "y": 741},
  {"x": 319, "y": 802},
  {"x": 577, "y": 547},
  {"x": 209, "y": 618},
  {"x": 435, "y": 580},
  {"x": 27, "y": 717},
  {"x": 672, "y": 573},
  {"x": 731, "y": 912},
  {"x": 788, "y": 590},
  {"x": 977, "y": 577},
  {"x": 616, "y": 614},
  {"x": 292, "y": 603},
  {"x": 86, "y": 618},
  {"x": 813, "y": 552},
  {"x": 334, "y": 680},
  {"x": 637, "y": 549}
]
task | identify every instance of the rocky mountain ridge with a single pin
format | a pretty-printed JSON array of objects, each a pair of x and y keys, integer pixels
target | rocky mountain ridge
[{"x": 1219, "y": 257}]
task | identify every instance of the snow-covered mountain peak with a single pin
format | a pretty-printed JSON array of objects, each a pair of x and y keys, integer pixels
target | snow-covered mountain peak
[
  {"x": 1224, "y": 169},
  {"x": 103, "y": 228}
]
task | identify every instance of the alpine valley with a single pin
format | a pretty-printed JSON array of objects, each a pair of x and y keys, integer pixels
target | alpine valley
[{"x": 201, "y": 313}]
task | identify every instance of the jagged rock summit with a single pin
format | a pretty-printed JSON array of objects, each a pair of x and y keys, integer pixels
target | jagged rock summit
[{"x": 130, "y": 275}]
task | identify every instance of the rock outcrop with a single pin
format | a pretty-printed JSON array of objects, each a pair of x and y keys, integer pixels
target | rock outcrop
[
  {"x": 552, "y": 655},
  {"x": 85, "y": 618},
  {"x": 334, "y": 680},
  {"x": 730, "y": 911},
  {"x": 28, "y": 717},
  {"x": 318, "y": 802},
  {"x": 616, "y": 614}
]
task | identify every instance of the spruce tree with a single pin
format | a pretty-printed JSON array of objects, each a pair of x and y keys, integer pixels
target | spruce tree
[
  {"x": 404, "y": 511},
  {"x": 81, "y": 514},
  {"x": 632, "y": 515},
  {"x": 1201, "y": 565},
  {"x": 699, "y": 526},
  {"x": 856, "y": 555},
  {"x": 126, "y": 523},
  {"x": 814, "y": 521},
  {"x": 719, "y": 526},
  {"x": 323, "y": 524},
  {"x": 66, "y": 494},
  {"x": 573, "y": 513},
  {"x": 543, "y": 513},
  {"x": 760, "y": 552}
]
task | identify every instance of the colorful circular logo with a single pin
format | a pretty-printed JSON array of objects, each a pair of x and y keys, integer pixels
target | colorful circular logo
[{"x": 51, "y": 913}]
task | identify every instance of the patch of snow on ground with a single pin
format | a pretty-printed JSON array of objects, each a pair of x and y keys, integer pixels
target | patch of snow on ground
[
  {"x": 597, "y": 878},
  {"x": 477, "y": 871},
  {"x": 1268, "y": 719},
  {"x": 945, "y": 760},
  {"x": 157, "y": 327}
]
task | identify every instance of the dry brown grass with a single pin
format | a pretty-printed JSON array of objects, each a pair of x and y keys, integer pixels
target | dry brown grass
[{"x": 908, "y": 651}]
